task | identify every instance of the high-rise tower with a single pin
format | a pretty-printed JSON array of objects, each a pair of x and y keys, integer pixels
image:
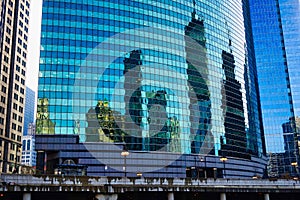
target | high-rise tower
[
  {"x": 29, "y": 109},
  {"x": 151, "y": 78},
  {"x": 276, "y": 33},
  {"x": 14, "y": 22}
]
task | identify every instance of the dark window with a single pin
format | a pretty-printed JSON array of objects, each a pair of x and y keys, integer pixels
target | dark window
[
  {"x": 3, "y": 89},
  {"x": 2, "y": 99},
  {"x": 20, "y": 128},
  {"x": 14, "y": 127},
  {"x": 11, "y": 157},
  {"x": 6, "y": 49},
  {"x": 4, "y": 79},
  {"x": 6, "y": 59}
]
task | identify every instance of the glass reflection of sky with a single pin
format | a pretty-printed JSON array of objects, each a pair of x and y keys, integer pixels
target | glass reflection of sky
[{"x": 276, "y": 103}]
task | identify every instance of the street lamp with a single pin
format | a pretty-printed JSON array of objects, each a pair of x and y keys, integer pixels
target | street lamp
[
  {"x": 194, "y": 172},
  {"x": 295, "y": 165},
  {"x": 139, "y": 174},
  {"x": 224, "y": 159},
  {"x": 105, "y": 168},
  {"x": 255, "y": 177},
  {"x": 203, "y": 159},
  {"x": 125, "y": 153},
  {"x": 215, "y": 172}
]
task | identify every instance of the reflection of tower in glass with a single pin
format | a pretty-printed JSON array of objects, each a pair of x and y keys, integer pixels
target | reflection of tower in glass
[
  {"x": 234, "y": 144},
  {"x": 290, "y": 145},
  {"x": 133, "y": 99},
  {"x": 197, "y": 79},
  {"x": 44, "y": 124},
  {"x": 91, "y": 130},
  {"x": 132, "y": 86},
  {"x": 102, "y": 125},
  {"x": 148, "y": 128}
]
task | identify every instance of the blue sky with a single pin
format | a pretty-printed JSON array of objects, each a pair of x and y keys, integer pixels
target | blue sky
[{"x": 34, "y": 44}]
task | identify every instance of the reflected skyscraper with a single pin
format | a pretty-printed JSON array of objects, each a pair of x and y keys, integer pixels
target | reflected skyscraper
[
  {"x": 234, "y": 142},
  {"x": 198, "y": 82}
]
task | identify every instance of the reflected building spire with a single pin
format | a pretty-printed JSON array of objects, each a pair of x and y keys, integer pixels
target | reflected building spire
[
  {"x": 197, "y": 78},
  {"x": 194, "y": 14},
  {"x": 234, "y": 143}
]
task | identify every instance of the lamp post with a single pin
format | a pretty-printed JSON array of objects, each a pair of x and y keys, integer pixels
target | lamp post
[
  {"x": 295, "y": 165},
  {"x": 203, "y": 159},
  {"x": 139, "y": 174},
  {"x": 194, "y": 170},
  {"x": 105, "y": 168},
  {"x": 125, "y": 153},
  {"x": 215, "y": 172},
  {"x": 224, "y": 159}
]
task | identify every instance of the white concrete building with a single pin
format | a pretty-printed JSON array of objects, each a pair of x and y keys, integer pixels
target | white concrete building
[{"x": 28, "y": 147}]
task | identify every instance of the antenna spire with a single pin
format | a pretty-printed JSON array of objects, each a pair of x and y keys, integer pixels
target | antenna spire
[{"x": 194, "y": 11}]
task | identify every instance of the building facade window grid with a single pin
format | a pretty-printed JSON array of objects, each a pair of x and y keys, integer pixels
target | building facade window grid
[{"x": 69, "y": 106}]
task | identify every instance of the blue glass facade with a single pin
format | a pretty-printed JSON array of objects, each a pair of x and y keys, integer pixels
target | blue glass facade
[
  {"x": 290, "y": 20},
  {"x": 276, "y": 37},
  {"x": 272, "y": 75},
  {"x": 171, "y": 76},
  {"x": 29, "y": 109}
]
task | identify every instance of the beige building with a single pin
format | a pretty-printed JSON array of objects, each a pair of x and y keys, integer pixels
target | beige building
[{"x": 14, "y": 23}]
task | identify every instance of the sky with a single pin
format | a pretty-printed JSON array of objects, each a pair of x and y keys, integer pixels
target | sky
[{"x": 34, "y": 44}]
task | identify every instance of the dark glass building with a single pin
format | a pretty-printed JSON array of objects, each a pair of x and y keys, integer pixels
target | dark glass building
[
  {"x": 276, "y": 34},
  {"x": 172, "y": 82}
]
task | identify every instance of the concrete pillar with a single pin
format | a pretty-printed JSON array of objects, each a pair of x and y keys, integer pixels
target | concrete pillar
[
  {"x": 171, "y": 196},
  {"x": 267, "y": 197},
  {"x": 223, "y": 196},
  {"x": 106, "y": 196},
  {"x": 26, "y": 196}
]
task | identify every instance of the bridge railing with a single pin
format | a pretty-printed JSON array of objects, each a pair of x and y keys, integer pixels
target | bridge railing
[{"x": 57, "y": 180}]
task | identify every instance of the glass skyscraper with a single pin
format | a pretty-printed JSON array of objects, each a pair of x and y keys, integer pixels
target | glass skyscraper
[
  {"x": 29, "y": 109},
  {"x": 174, "y": 77},
  {"x": 276, "y": 31}
]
